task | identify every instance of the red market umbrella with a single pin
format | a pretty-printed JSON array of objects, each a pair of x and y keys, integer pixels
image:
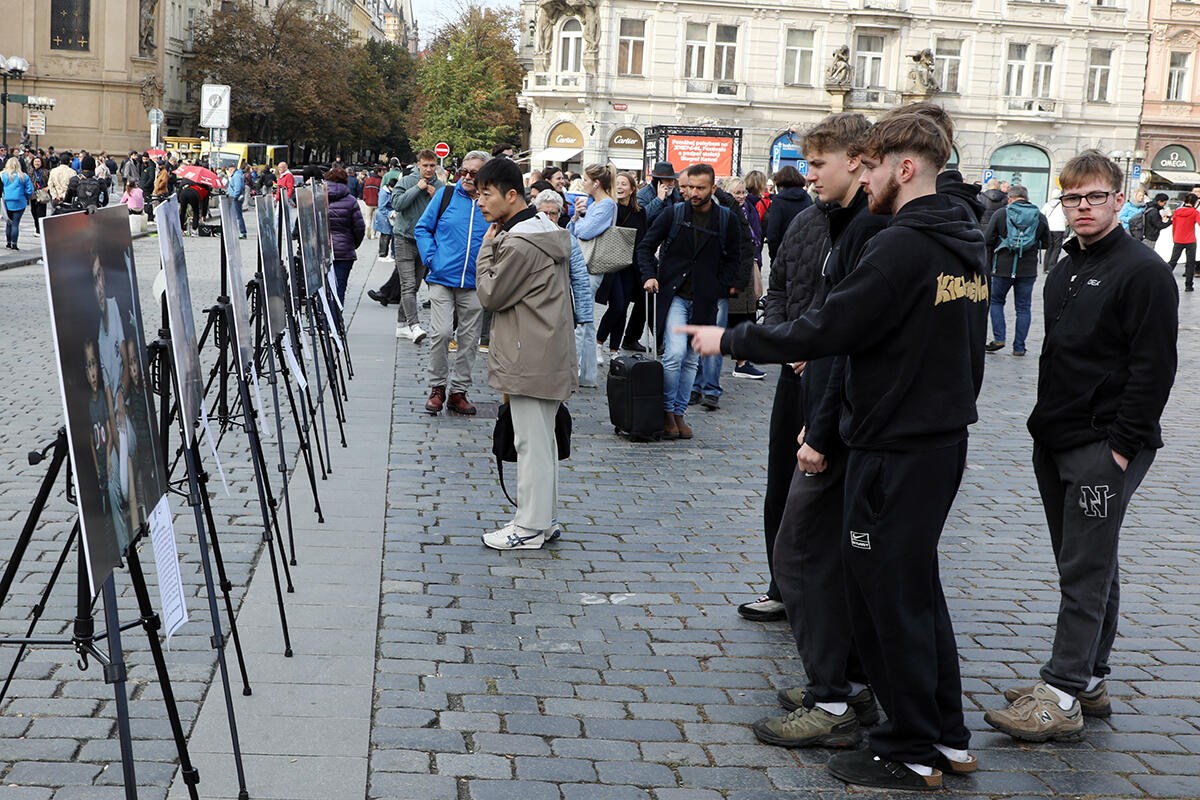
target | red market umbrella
[
  {"x": 156, "y": 154},
  {"x": 200, "y": 175}
]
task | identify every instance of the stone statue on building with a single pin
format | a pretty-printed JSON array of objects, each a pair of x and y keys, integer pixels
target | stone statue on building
[
  {"x": 146, "y": 46},
  {"x": 922, "y": 79},
  {"x": 551, "y": 11},
  {"x": 840, "y": 72},
  {"x": 152, "y": 91}
]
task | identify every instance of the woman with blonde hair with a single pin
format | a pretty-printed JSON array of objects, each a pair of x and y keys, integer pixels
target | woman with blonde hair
[
  {"x": 620, "y": 290},
  {"x": 588, "y": 222},
  {"x": 18, "y": 189}
]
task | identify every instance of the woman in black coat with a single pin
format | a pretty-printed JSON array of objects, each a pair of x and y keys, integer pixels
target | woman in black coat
[
  {"x": 619, "y": 288},
  {"x": 41, "y": 180},
  {"x": 789, "y": 200}
]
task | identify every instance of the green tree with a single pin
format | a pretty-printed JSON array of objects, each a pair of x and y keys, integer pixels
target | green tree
[
  {"x": 391, "y": 97},
  {"x": 468, "y": 82}
]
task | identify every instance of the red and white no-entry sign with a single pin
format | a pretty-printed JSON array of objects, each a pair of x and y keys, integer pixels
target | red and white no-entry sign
[{"x": 441, "y": 149}]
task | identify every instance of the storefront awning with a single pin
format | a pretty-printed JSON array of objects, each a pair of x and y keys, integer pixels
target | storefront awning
[
  {"x": 1178, "y": 178},
  {"x": 625, "y": 162},
  {"x": 557, "y": 154}
]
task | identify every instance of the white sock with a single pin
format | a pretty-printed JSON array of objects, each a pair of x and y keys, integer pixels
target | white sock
[
  {"x": 952, "y": 754},
  {"x": 1093, "y": 682},
  {"x": 837, "y": 709},
  {"x": 920, "y": 769},
  {"x": 855, "y": 688},
  {"x": 1064, "y": 700}
]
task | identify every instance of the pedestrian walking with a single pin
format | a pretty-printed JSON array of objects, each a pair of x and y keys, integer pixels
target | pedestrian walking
[
  {"x": 993, "y": 198},
  {"x": 523, "y": 278},
  {"x": 285, "y": 181},
  {"x": 912, "y": 313},
  {"x": 789, "y": 200},
  {"x": 18, "y": 191},
  {"x": 148, "y": 181},
  {"x": 1056, "y": 221},
  {"x": 40, "y": 176},
  {"x": 346, "y": 228},
  {"x": 60, "y": 179},
  {"x": 372, "y": 185},
  {"x": 236, "y": 189},
  {"x": 1156, "y": 219},
  {"x": 448, "y": 236},
  {"x": 85, "y": 191},
  {"x": 1106, "y": 371},
  {"x": 588, "y": 223},
  {"x": 383, "y": 224},
  {"x": 1183, "y": 234},
  {"x": 621, "y": 291},
  {"x": 1013, "y": 239}
]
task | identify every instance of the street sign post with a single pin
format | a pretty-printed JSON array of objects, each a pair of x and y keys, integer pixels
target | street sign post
[
  {"x": 988, "y": 174},
  {"x": 156, "y": 117},
  {"x": 441, "y": 150},
  {"x": 36, "y": 121},
  {"x": 214, "y": 106},
  {"x": 1135, "y": 172}
]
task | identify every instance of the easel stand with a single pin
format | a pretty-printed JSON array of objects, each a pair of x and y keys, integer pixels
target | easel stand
[
  {"x": 84, "y": 639},
  {"x": 319, "y": 331},
  {"x": 161, "y": 351}
]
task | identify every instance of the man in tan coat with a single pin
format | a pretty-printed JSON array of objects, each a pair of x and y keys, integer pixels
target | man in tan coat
[
  {"x": 523, "y": 278},
  {"x": 60, "y": 179}
]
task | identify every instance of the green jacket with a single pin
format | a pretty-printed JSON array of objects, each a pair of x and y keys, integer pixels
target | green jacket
[{"x": 409, "y": 202}]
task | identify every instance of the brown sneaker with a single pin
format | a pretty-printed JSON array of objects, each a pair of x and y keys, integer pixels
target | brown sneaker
[
  {"x": 1095, "y": 703},
  {"x": 459, "y": 404},
  {"x": 670, "y": 429},
  {"x": 437, "y": 399},
  {"x": 1036, "y": 717},
  {"x": 863, "y": 703},
  {"x": 684, "y": 431}
]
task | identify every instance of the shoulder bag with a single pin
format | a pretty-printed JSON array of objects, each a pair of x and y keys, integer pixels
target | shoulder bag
[{"x": 611, "y": 251}]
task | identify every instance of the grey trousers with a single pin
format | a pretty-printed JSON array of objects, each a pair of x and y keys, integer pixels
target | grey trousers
[
  {"x": 410, "y": 270},
  {"x": 537, "y": 460},
  {"x": 444, "y": 301},
  {"x": 1085, "y": 495}
]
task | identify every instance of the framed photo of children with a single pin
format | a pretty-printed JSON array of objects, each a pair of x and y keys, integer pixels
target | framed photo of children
[
  {"x": 100, "y": 342},
  {"x": 310, "y": 253},
  {"x": 181, "y": 318}
]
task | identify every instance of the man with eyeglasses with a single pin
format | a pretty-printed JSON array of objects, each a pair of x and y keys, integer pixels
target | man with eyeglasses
[
  {"x": 1106, "y": 370},
  {"x": 448, "y": 235}
]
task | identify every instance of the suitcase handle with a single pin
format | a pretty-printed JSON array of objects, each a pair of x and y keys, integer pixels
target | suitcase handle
[{"x": 651, "y": 307}]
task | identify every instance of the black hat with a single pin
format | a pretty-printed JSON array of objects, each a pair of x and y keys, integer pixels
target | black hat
[
  {"x": 1161, "y": 198},
  {"x": 88, "y": 164},
  {"x": 663, "y": 169}
]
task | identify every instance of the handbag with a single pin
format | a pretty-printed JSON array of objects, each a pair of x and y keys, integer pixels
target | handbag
[
  {"x": 41, "y": 195},
  {"x": 611, "y": 251},
  {"x": 504, "y": 446}
]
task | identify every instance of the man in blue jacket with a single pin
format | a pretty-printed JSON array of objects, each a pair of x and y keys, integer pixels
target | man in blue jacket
[
  {"x": 448, "y": 241},
  {"x": 237, "y": 189}
]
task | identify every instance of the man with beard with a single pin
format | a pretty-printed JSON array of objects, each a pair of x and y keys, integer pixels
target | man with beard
[{"x": 911, "y": 319}]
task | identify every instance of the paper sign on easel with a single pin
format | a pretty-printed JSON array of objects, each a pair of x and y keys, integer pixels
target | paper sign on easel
[
  {"x": 292, "y": 364},
  {"x": 172, "y": 602},
  {"x": 337, "y": 339},
  {"x": 264, "y": 428},
  {"x": 212, "y": 444},
  {"x": 332, "y": 280}
]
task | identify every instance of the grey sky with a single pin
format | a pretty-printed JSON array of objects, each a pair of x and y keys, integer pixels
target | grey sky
[{"x": 432, "y": 14}]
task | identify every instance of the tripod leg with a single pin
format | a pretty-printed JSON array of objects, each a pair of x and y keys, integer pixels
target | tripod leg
[
  {"x": 339, "y": 413},
  {"x": 283, "y": 467},
  {"x": 303, "y": 434},
  {"x": 226, "y": 584},
  {"x": 115, "y": 673},
  {"x": 317, "y": 358},
  {"x": 151, "y": 623}
]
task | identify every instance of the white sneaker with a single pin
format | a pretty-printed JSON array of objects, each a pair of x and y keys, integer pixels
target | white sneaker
[
  {"x": 386, "y": 258},
  {"x": 403, "y": 332},
  {"x": 416, "y": 333},
  {"x": 599, "y": 354},
  {"x": 513, "y": 537}
]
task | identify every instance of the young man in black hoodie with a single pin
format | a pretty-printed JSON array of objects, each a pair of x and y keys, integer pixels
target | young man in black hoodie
[
  {"x": 1106, "y": 370},
  {"x": 911, "y": 319},
  {"x": 832, "y": 709}
]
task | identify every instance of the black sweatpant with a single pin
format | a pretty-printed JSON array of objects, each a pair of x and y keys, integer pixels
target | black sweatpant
[
  {"x": 1053, "y": 250},
  {"x": 787, "y": 418},
  {"x": 1189, "y": 270},
  {"x": 637, "y": 317},
  {"x": 896, "y": 506},
  {"x": 1085, "y": 495},
  {"x": 812, "y": 581}
]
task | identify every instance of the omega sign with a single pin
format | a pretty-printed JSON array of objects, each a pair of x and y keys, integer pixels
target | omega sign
[
  {"x": 1175, "y": 157},
  {"x": 564, "y": 134},
  {"x": 626, "y": 137}
]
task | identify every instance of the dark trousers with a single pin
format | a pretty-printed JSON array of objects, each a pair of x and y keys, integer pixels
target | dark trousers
[
  {"x": 637, "y": 317},
  {"x": 385, "y": 243},
  {"x": 1053, "y": 251},
  {"x": 188, "y": 198},
  {"x": 1085, "y": 495},
  {"x": 787, "y": 418},
  {"x": 38, "y": 210},
  {"x": 391, "y": 287},
  {"x": 896, "y": 506},
  {"x": 341, "y": 270},
  {"x": 812, "y": 581},
  {"x": 1189, "y": 269}
]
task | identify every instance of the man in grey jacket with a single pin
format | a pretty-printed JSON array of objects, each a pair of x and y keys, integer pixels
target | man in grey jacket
[
  {"x": 409, "y": 200},
  {"x": 522, "y": 277}
]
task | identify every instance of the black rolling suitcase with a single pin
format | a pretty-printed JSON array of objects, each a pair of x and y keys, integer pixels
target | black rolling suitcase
[{"x": 635, "y": 393}]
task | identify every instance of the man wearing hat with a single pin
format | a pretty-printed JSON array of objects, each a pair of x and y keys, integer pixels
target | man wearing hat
[{"x": 661, "y": 192}]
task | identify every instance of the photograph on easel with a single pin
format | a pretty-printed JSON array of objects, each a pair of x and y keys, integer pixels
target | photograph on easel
[
  {"x": 237, "y": 288},
  {"x": 274, "y": 275},
  {"x": 321, "y": 206},
  {"x": 180, "y": 316},
  {"x": 101, "y": 346},
  {"x": 309, "y": 253}
]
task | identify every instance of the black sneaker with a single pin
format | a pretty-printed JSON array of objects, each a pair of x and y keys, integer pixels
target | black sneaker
[
  {"x": 863, "y": 703},
  {"x": 695, "y": 398},
  {"x": 633, "y": 347},
  {"x": 864, "y": 768},
  {"x": 710, "y": 402},
  {"x": 764, "y": 609},
  {"x": 377, "y": 297},
  {"x": 992, "y": 347}
]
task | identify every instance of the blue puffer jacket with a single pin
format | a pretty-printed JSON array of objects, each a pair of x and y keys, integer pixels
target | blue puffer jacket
[
  {"x": 17, "y": 191},
  {"x": 581, "y": 286},
  {"x": 450, "y": 245},
  {"x": 383, "y": 213}
]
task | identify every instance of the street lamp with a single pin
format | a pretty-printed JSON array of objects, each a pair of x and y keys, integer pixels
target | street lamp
[
  {"x": 1127, "y": 157},
  {"x": 11, "y": 67}
]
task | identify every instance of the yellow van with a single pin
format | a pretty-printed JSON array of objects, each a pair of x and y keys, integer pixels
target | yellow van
[{"x": 232, "y": 154}]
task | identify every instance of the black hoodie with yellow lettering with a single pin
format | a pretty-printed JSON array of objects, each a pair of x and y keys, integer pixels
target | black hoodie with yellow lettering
[{"x": 911, "y": 317}]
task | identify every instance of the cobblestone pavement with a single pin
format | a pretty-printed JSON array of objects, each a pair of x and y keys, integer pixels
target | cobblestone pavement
[{"x": 612, "y": 664}]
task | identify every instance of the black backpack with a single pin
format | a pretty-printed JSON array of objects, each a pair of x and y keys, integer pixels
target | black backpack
[
  {"x": 90, "y": 192},
  {"x": 1137, "y": 223}
]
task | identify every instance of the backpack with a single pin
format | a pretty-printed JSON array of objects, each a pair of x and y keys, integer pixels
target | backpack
[
  {"x": 1022, "y": 220},
  {"x": 90, "y": 192},
  {"x": 723, "y": 215},
  {"x": 762, "y": 205},
  {"x": 1137, "y": 223}
]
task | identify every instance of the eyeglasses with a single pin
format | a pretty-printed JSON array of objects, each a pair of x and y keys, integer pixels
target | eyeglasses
[
  {"x": 1093, "y": 199},
  {"x": 468, "y": 173}
]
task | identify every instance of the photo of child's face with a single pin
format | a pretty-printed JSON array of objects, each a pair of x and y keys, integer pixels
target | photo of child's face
[
  {"x": 92, "y": 364},
  {"x": 135, "y": 367},
  {"x": 98, "y": 281}
]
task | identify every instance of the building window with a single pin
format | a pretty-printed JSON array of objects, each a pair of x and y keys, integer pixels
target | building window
[
  {"x": 70, "y": 24},
  {"x": 1043, "y": 69},
  {"x": 948, "y": 61},
  {"x": 1099, "y": 69},
  {"x": 868, "y": 61},
  {"x": 798, "y": 58},
  {"x": 570, "y": 46},
  {"x": 1014, "y": 70},
  {"x": 725, "y": 53},
  {"x": 191, "y": 29},
  {"x": 695, "y": 53},
  {"x": 1177, "y": 76},
  {"x": 631, "y": 46}
]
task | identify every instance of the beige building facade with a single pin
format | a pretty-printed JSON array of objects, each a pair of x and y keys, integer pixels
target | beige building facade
[
  {"x": 1029, "y": 84},
  {"x": 1170, "y": 134},
  {"x": 101, "y": 60}
]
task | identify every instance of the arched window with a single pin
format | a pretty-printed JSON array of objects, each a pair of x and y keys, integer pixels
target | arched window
[
  {"x": 570, "y": 47},
  {"x": 1024, "y": 165}
]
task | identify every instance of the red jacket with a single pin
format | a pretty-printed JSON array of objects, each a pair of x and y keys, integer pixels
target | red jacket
[
  {"x": 371, "y": 190},
  {"x": 1183, "y": 225},
  {"x": 286, "y": 181}
]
